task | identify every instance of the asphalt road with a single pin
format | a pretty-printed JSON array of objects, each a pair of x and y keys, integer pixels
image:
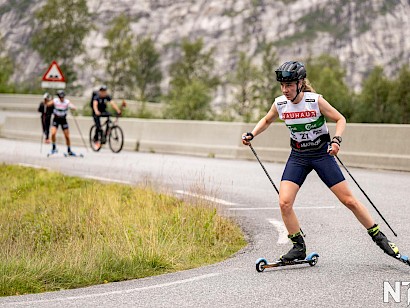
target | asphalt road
[{"x": 351, "y": 269}]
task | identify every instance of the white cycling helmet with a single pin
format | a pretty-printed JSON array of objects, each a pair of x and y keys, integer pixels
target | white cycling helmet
[{"x": 47, "y": 95}]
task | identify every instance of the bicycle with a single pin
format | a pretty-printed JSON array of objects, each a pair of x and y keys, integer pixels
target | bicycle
[{"x": 112, "y": 132}]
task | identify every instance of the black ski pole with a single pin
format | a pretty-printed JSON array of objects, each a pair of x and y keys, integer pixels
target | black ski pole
[
  {"x": 378, "y": 212},
  {"x": 263, "y": 167},
  {"x": 41, "y": 142},
  {"x": 43, "y": 124},
  {"x": 79, "y": 130}
]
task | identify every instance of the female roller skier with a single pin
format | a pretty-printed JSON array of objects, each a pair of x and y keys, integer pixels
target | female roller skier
[
  {"x": 304, "y": 112},
  {"x": 61, "y": 106}
]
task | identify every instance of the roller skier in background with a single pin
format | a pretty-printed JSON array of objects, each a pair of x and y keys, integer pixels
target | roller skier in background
[
  {"x": 61, "y": 106},
  {"x": 46, "y": 110}
]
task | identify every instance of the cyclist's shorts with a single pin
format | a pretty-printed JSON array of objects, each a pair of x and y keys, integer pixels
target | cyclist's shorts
[
  {"x": 104, "y": 114},
  {"x": 300, "y": 164},
  {"x": 60, "y": 121}
]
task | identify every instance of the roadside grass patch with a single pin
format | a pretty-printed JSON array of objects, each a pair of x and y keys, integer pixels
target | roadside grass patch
[{"x": 59, "y": 232}]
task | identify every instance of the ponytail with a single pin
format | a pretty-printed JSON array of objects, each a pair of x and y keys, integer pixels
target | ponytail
[{"x": 306, "y": 86}]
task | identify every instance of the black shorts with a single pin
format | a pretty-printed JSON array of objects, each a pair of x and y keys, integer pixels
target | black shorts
[
  {"x": 60, "y": 121},
  {"x": 300, "y": 164}
]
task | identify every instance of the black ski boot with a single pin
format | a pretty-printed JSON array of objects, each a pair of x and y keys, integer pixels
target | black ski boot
[
  {"x": 298, "y": 251},
  {"x": 381, "y": 240},
  {"x": 54, "y": 149}
]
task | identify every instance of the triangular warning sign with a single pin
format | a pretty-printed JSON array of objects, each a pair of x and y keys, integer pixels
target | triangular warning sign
[{"x": 54, "y": 73}]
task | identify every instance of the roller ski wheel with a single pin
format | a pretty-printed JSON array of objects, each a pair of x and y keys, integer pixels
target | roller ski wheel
[
  {"x": 72, "y": 154},
  {"x": 312, "y": 259},
  {"x": 52, "y": 152},
  {"x": 404, "y": 259},
  {"x": 262, "y": 264}
]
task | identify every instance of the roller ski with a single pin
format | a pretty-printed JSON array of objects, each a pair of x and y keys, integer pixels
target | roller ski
[
  {"x": 262, "y": 263},
  {"x": 387, "y": 246},
  {"x": 295, "y": 256},
  {"x": 52, "y": 152},
  {"x": 404, "y": 259},
  {"x": 72, "y": 154}
]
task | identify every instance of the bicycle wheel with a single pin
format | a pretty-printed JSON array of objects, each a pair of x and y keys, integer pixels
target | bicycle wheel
[
  {"x": 94, "y": 146},
  {"x": 116, "y": 139}
]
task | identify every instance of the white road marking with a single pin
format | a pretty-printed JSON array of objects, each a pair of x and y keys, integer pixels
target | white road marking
[
  {"x": 282, "y": 231},
  {"x": 98, "y": 178},
  {"x": 208, "y": 198},
  {"x": 277, "y": 208},
  {"x": 79, "y": 297},
  {"x": 33, "y": 166}
]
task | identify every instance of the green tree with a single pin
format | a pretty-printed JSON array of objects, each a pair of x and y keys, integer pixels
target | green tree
[
  {"x": 118, "y": 52},
  {"x": 372, "y": 105},
  {"x": 6, "y": 64},
  {"x": 327, "y": 77},
  {"x": 399, "y": 96},
  {"x": 145, "y": 71},
  {"x": 61, "y": 28},
  {"x": 268, "y": 88},
  {"x": 195, "y": 64},
  {"x": 190, "y": 102},
  {"x": 192, "y": 82},
  {"x": 245, "y": 79}
]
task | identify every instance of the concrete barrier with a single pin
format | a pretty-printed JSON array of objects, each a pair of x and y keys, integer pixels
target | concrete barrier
[
  {"x": 381, "y": 146},
  {"x": 29, "y": 103},
  {"x": 28, "y": 127}
]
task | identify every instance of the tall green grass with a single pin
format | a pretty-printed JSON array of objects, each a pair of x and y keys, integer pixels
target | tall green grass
[{"x": 59, "y": 232}]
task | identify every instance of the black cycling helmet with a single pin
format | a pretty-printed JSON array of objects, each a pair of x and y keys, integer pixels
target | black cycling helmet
[
  {"x": 103, "y": 88},
  {"x": 60, "y": 93},
  {"x": 290, "y": 71}
]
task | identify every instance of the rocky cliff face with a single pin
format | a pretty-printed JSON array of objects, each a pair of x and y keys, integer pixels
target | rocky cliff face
[{"x": 360, "y": 33}]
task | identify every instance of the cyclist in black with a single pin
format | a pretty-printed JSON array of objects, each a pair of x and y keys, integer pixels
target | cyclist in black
[
  {"x": 99, "y": 107},
  {"x": 46, "y": 108}
]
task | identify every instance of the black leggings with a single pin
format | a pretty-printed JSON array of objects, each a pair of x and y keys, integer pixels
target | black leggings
[
  {"x": 97, "y": 121},
  {"x": 45, "y": 122}
]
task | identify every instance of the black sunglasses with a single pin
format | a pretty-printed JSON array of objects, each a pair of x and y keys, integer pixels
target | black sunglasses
[{"x": 283, "y": 75}]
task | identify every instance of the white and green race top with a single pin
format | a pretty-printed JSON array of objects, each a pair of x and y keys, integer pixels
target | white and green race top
[
  {"x": 61, "y": 107},
  {"x": 307, "y": 125}
]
